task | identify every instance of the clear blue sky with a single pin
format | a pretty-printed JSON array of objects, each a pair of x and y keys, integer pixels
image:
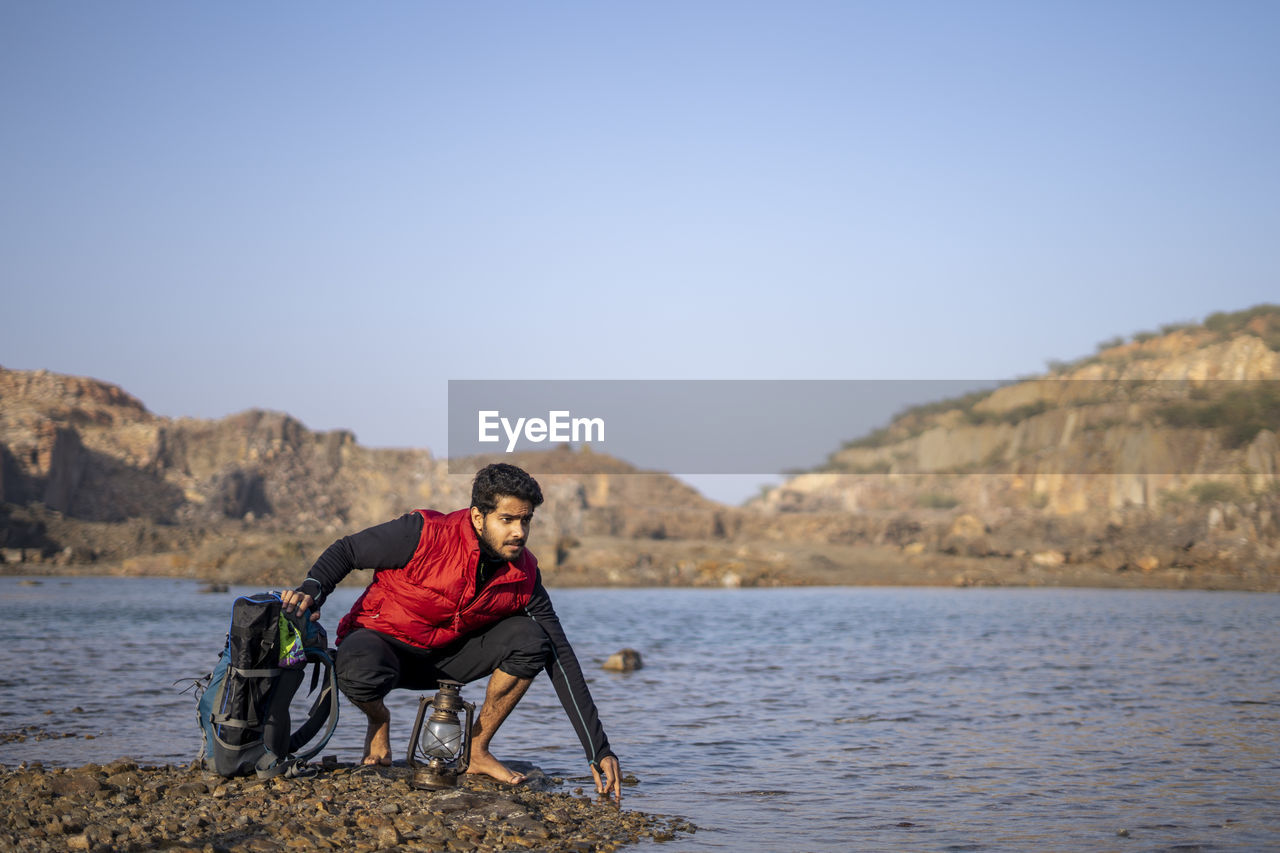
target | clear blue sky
[{"x": 333, "y": 208}]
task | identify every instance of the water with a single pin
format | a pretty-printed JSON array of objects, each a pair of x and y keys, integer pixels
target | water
[{"x": 795, "y": 719}]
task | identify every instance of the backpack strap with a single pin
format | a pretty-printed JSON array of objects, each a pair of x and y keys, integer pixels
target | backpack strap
[
  {"x": 324, "y": 711},
  {"x": 224, "y": 720},
  {"x": 273, "y": 672}
]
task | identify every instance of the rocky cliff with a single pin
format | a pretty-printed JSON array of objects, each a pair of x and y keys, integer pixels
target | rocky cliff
[
  {"x": 1158, "y": 453},
  {"x": 1153, "y": 463},
  {"x": 91, "y": 480}
]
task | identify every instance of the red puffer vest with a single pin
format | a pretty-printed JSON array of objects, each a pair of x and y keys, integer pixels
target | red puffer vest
[{"x": 431, "y": 601}]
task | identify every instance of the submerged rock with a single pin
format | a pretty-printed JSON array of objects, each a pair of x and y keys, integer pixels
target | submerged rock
[
  {"x": 121, "y": 806},
  {"x": 623, "y": 661}
]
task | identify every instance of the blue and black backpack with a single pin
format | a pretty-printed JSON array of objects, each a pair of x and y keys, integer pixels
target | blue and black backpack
[{"x": 243, "y": 705}]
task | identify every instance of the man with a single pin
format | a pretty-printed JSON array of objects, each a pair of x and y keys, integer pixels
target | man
[{"x": 456, "y": 596}]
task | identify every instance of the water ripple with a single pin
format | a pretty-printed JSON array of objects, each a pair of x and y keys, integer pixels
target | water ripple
[{"x": 818, "y": 720}]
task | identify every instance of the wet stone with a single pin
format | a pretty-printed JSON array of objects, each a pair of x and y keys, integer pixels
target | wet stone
[
  {"x": 455, "y": 801},
  {"x": 529, "y": 826},
  {"x": 72, "y": 784},
  {"x": 423, "y": 819},
  {"x": 190, "y": 789},
  {"x": 501, "y": 809},
  {"x": 389, "y": 836},
  {"x": 121, "y": 806}
]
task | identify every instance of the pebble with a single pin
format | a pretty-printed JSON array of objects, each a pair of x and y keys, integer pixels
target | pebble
[{"x": 121, "y": 806}]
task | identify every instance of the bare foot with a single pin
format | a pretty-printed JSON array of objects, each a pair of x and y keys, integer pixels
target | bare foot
[
  {"x": 377, "y": 737},
  {"x": 484, "y": 764},
  {"x": 377, "y": 748}
]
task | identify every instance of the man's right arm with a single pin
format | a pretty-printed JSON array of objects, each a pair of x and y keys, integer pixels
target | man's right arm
[{"x": 383, "y": 546}]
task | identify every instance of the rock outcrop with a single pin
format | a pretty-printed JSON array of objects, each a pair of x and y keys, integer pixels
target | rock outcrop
[
  {"x": 90, "y": 480},
  {"x": 1159, "y": 454},
  {"x": 1154, "y": 463}
]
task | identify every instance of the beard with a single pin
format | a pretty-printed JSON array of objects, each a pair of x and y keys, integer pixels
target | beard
[{"x": 495, "y": 549}]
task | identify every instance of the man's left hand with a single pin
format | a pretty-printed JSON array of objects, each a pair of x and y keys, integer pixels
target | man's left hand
[
  {"x": 296, "y": 598},
  {"x": 608, "y": 777}
]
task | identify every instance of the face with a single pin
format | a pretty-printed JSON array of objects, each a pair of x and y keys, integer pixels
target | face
[{"x": 506, "y": 529}]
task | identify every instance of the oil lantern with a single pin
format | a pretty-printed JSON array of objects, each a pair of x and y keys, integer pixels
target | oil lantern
[{"x": 444, "y": 743}]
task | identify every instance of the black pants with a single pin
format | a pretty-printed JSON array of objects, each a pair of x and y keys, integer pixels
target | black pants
[{"x": 371, "y": 664}]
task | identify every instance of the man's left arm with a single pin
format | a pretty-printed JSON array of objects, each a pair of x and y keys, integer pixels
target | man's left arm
[{"x": 571, "y": 686}]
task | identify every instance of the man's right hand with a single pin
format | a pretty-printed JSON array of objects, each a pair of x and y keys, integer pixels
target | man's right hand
[
  {"x": 292, "y": 599},
  {"x": 608, "y": 777}
]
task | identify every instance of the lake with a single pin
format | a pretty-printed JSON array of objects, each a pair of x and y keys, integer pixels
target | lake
[{"x": 826, "y": 719}]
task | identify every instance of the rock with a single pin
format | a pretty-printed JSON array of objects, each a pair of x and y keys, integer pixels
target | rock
[
  {"x": 389, "y": 837},
  {"x": 191, "y": 789},
  {"x": 502, "y": 809},
  {"x": 967, "y": 527},
  {"x": 626, "y": 660},
  {"x": 530, "y": 827},
  {"x": 1049, "y": 559},
  {"x": 454, "y": 801},
  {"x": 71, "y": 784},
  {"x": 125, "y": 781},
  {"x": 1148, "y": 563}
]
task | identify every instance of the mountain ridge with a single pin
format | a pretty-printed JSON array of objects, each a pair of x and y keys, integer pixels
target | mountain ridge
[{"x": 1153, "y": 462}]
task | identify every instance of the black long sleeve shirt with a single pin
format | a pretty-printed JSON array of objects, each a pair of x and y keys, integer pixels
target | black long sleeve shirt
[{"x": 392, "y": 544}]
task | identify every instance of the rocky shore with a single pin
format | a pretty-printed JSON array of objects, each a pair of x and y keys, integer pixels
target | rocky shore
[{"x": 125, "y": 806}]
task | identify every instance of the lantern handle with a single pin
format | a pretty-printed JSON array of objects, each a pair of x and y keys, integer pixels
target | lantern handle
[
  {"x": 464, "y": 757},
  {"x": 423, "y": 704}
]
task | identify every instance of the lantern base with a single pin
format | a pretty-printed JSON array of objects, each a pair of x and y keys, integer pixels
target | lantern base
[{"x": 427, "y": 778}]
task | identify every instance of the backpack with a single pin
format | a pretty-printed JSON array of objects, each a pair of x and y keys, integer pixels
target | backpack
[{"x": 243, "y": 705}]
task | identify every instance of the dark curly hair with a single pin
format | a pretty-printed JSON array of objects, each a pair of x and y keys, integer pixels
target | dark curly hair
[{"x": 499, "y": 480}]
